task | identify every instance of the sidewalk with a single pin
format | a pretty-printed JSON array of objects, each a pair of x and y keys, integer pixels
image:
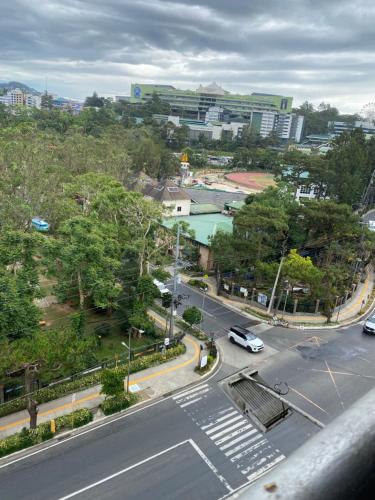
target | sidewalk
[
  {"x": 360, "y": 302},
  {"x": 150, "y": 383}
]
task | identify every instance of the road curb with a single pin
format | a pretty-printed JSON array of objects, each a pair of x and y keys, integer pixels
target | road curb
[{"x": 99, "y": 422}]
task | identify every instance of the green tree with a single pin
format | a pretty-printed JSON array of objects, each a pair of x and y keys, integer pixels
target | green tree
[
  {"x": 112, "y": 382},
  {"x": 192, "y": 315},
  {"x": 86, "y": 258}
]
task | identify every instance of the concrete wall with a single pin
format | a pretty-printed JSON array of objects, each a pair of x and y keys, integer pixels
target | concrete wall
[{"x": 184, "y": 206}]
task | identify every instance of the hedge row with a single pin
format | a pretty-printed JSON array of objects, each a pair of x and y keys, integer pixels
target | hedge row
[
  {"x": 30, "y": 437},
  {"x": 190, "y": 329},
  {"x": 57, "y": 391},
  {"x": 118, "y": 403}
]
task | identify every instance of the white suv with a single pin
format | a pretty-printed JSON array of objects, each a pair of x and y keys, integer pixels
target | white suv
[{"x": 241, "y": 336}]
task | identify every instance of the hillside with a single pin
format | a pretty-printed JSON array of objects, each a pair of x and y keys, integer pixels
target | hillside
[{"x": 18, "y": 85}]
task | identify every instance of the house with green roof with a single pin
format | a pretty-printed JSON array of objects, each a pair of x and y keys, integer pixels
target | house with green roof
[{"x": 205, "y": 226}]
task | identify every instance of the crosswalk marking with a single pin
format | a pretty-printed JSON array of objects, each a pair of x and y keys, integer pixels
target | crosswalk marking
[
  {"x": 191, "y": 396},
  {"x": 238, "y": 439},
  {"x": 243, "y": 445},
  {"x": 190, "y": 402},
  {"x": 183, "y": 394},
  {"x": 233, "y": 434},
  {"x": 248, "y": 450},
  {"x": 204, "y": 427},
  {"x": 265, "y": 468},
  {"x": 228, "y": 429},
  {"x": 220, "y": 426}
]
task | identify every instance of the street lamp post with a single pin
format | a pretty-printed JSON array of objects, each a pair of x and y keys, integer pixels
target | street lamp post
[
  {"x": 129, "y": 356},
  {"x": 129, "y": 359}
]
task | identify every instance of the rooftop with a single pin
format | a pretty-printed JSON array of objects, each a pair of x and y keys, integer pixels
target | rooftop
[
  {"x": 204, "y": 208},
  {"x": 235, "y": 205},
  {"x": 204, "y": 226},
  {"x": 165, "y": 191},
  {"x": 214, "y": 196}
]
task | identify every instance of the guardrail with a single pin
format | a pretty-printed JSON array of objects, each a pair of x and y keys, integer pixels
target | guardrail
[{"x": 338, "y": 463}]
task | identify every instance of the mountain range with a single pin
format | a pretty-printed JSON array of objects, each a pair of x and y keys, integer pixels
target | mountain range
[{"x": 18, "y": 85}]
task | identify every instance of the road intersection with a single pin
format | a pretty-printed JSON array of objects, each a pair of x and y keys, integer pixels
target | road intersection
[{"x": 197, "y": 443}]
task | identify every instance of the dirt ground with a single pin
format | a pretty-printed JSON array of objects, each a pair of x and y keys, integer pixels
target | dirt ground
[{"x": 255, "y": 181}]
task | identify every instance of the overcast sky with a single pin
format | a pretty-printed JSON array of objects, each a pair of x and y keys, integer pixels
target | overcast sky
[{"x": 319, "y": 50}]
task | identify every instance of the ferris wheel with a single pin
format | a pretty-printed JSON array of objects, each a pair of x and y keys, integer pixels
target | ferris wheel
[{"x": 368, "y": 112}]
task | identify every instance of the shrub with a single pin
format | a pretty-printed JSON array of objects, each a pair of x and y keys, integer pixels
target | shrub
[
  {"x": 30, "y": 437},
  {"x": 112, "y": 382},
  {"x": 198, "y": 284},
  {"x": 192, "y": 315},
  {"x": 75, "y": 419},
  {"x": 118, "y": 403}
]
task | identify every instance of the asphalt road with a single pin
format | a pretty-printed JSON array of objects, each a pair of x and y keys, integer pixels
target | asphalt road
[
  {"x": 195, "y": 445},
  {"x": 217, "y": 317},
  {"x": 326, "y": 370}
]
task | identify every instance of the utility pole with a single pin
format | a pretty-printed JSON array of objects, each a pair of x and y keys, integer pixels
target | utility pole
[
  {"x": 283, "y": 250},
  {"x": 275, "y": 285},
  {"x": 175, "y": 277}
]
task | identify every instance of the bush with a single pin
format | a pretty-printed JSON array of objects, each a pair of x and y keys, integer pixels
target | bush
[
  {"x": 30, "y": 437},
  {"x": 190, "y": 329},
  {"x": 59, "y": 390},
  {"x": 192, "y": 315},
  {"x": 118, "y": 403},
  {"x": 210, "y": 362},
  {"x": 75, "y": 419},
  {"x": 198, "y": 284}
]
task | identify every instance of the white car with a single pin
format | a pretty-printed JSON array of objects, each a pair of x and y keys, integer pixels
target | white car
[
  {"x": 369, "y": 326},
  {"x": 239, "y": 335}
]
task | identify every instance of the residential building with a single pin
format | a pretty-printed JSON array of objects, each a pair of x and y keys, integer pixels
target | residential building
[
  {"x": 337, "y": 128},
  {"x": 211, "y": 104},
  {"x": 204, "y": 227},
  {"x": 176, "y": 201},
  {"x": 16, "y": 97}
]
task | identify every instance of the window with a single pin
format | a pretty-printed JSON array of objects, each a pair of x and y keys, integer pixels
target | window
[
  {"x": 179, "y": 209},
  {"x": 304, "y": 189}
]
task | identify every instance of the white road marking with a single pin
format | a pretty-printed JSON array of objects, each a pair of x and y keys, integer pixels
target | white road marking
[
  {"x": 204, "y": 427},
  {"x": 243, "y": 445},
  {"x": 191, "y": 396},
  {"x": 183, "y": 394},
  {"x": 232, "y": 434},
  {"x": 237, "y": 440},
  {"x": 92, "y": 428},
  {"x": 228, "y": 429},
  {"x": 249, "y": 450},
  {"x": 190, "y": 402},
  {"x": 210, "y": 465},
  {"x": 108, "y": 478},
  {"x": 265, "y": 468},
  {"x": 156, "y": 455},
  {"x": 225, "y": 424}
]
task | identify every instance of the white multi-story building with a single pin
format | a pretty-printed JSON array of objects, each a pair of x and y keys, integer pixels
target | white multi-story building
[
  {"x": 16, "y": 97},
  {"x": 267, "y": 123}
]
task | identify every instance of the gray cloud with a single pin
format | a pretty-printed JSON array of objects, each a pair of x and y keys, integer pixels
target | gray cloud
[{"x": 317, "y": 50}]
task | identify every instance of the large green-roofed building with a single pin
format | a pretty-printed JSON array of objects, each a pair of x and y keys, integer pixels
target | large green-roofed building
[{"x": 195, "y": 103}]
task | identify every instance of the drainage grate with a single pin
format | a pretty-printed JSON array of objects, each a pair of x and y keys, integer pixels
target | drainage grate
[{"x": 259, "y": 403}]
